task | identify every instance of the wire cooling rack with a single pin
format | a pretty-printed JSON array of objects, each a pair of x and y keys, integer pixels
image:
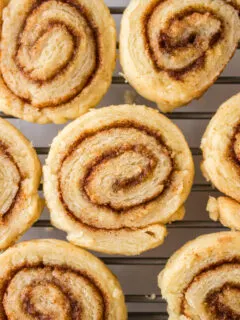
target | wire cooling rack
[{"x": 138, "y": 275}]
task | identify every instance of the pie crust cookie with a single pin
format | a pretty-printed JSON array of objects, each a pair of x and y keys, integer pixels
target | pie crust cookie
[
  {"x": 51, "y": 279},
  {"x": 221, "y": 162},
  {"x": 201, "y": 280},
  {"x": 20, "y": 174},
  {"x": 57, "y": 58},
  {"x": 172, "y": 51},
  {"x": 114, "y": 178}
]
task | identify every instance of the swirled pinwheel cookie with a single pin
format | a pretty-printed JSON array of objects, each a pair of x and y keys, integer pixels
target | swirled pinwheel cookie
[
  {"x": 57, "y": 58},
  {"x": 50, "y": 279},
  {"x": 172, "y": 51},
  {"x": 201, "y": 281},
  {"x": 221, "y": 162},
  {"x": 115, "y": 176},
  {"x": 20, "y": 173}
]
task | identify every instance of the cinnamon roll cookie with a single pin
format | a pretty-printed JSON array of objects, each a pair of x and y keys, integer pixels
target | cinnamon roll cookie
[
  {"x": 20, "y": 173},
  {"x": 50, "y": 279},
  {"x": 116, "y": 176},
  {"x": 178, "y": 48},
  {"x": 221, "y": 162},
  {"x": 201, "y": 281},
  {"x": 57, "y": 58}
]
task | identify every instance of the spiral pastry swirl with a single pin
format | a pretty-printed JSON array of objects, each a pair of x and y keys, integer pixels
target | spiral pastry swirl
[
  {"x": 57, "y": 58},
  {"x": 50, "y": 279},
  {"x": 221, "y": 162},
  {"x": 20, "y": 173},
  {"x": 178, "y": 48},
  {"x": 201, "y": 281},
  {"x": 115, "y": 176}
]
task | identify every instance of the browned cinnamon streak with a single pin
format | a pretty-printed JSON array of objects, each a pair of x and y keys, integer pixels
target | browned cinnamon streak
[
  {"x": 75, "y": 305},
  {"x": 235, "y": 158},
  {"x": 235, "y": 5},
  {"x": 216, "y": 307},
  {"x": 51, "y": 24},
  {"x": 76, "y": 38},
  {"x": 145, "y": 174},
  {"x": 19, "y": 194},
  {"x": 213, "y": 304},
  {"x": 166, "y": 44},
  {"x": 124, "y": 183}
]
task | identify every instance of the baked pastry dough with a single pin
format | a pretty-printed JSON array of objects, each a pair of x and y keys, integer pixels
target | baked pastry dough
[
  {"x": 57, "y": 58},
  {"x": 172, "y": 51},
  {"x": 50, "y": 279},
  {"x": 201, "y": 280},
  {"x": 221, "y": 162},
  {"x": 115, "y": 176},
  {"x": 20, "y": 173}
]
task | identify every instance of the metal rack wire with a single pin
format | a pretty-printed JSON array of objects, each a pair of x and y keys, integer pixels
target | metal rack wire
[{"x": 204, "y": 187}]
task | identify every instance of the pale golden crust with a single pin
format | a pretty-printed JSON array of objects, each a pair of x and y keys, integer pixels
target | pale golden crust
[
  {"x": 226, "y": 210},
  {"x": 57, "y": 58},
  {"x": 20, "y": 173},
  {"x": 220, "y": 146},
  {"x": 178, "y": 48},
  {"x": 202, "y": 279},
  {"x": 115, "y": 176},
  {"x": 53, "y": 279}
]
